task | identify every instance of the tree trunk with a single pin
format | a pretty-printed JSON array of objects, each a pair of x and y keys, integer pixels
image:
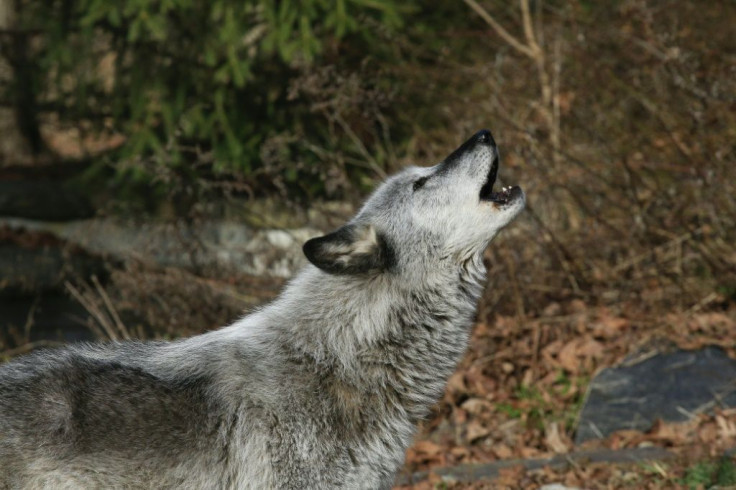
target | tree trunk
[{"x": 18, "y": 109}]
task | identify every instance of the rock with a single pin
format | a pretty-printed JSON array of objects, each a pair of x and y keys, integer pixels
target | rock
[
  {"x": 33, "y": 269},
  {"x": 36, "y": 262},
  {"x": 225, "y": 245},
  {"x": 672, "y": 387},
  {"x": 45, "y": 200}
]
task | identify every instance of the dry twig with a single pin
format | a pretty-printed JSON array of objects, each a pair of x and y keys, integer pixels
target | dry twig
[{"x": 107, "y": 323}]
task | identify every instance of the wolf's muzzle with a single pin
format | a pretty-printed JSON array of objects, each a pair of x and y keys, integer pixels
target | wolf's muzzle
[{"x": 482, "y": 137}]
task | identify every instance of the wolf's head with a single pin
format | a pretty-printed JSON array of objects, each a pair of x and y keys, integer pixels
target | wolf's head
[{"x": 424, "y": 218}]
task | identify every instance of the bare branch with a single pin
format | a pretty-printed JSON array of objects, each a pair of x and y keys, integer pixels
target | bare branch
[
  {"x": 111, "y": 309},
  {"x": 505, "y": 35},
  {"x": 93, "y": 310},
  {"x": 467, "y": 473},
  {"x": 526, "y": 17}
]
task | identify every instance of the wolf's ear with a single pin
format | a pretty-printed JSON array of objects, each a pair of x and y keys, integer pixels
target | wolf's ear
[{"x": 352, "y": 249}]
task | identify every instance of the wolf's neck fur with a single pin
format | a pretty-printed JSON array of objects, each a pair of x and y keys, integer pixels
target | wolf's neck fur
[{"x": 382, "y": 335}]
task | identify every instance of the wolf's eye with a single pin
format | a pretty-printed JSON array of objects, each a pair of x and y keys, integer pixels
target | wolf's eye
[{"x": 419, "y": 183}]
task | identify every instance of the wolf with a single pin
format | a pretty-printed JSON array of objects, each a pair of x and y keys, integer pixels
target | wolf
[{"x": 321, "y": 389}]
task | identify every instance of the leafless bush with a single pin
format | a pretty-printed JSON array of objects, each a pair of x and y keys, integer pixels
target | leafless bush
[
  {"x": 143, "y": 301},
  {"x": 616, "y": 126}
]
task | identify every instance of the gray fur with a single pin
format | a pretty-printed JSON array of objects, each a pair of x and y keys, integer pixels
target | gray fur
[{"x": 321, "y": 389}]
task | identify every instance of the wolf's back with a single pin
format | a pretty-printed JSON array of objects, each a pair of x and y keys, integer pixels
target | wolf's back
[{"x": 64, "y": 408}]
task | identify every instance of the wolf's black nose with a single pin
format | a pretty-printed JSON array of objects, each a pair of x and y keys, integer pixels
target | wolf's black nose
[{"x": 485, "y": 137}]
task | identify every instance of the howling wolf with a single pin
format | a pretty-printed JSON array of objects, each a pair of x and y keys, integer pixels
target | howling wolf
[{"x": 321, "y": 389}]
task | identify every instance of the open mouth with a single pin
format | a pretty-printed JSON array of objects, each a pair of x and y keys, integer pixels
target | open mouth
[{"x": 505, "y": 196}]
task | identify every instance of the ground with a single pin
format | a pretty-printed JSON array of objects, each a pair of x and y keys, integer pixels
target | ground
[{"x": 519, "y": 390}]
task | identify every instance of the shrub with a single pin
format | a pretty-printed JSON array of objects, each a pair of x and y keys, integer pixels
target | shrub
[{"x": 203, "y": 88}]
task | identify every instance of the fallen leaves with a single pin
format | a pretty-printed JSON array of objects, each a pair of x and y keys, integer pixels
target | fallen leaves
[
  {"x": 508, "y": 402},
  {"x": 477, "y": 406},
  {"x": 427, "y": 452},
  {"x": 579, "y": 354},
  {"x": 476, "y": 430},
  {"x": 556, "y": 441}
]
